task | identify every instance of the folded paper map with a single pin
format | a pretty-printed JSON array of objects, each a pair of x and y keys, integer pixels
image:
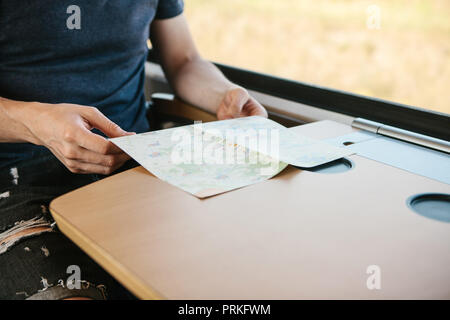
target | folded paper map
[{"x": 206, "y": 159}]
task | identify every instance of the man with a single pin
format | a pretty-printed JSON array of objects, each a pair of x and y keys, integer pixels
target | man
[{"x": 71, "y": 75}]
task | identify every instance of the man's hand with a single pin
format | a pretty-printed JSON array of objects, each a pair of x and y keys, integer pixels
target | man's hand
[
  {"x": 238, "y": 103},
  {"x": 65, "y": 130}
]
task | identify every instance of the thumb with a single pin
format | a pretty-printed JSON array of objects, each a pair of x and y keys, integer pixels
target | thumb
[
  {"x": 99, "y": 121},
  {"x": 236, "y": 101}
]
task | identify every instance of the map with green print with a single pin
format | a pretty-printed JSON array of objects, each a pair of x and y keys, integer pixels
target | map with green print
[{"x": 215, "y": 157}]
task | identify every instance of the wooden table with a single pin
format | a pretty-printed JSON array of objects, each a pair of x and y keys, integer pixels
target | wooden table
[{"x": 300, "y": 235}]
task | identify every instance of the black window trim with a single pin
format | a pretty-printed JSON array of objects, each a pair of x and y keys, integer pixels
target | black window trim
[{"x": 431, "y": 123}]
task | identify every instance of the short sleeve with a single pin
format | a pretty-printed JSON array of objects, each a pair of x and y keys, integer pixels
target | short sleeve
[{"x": 169, "y": 9}]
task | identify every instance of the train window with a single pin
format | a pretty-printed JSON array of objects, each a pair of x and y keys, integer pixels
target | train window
[{"x": 390, "y": 49}]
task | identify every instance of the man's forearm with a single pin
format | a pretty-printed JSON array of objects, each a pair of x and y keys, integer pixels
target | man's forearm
[
  {"x": 200, "y": 83},
  {"x": 12, "y": 116}
]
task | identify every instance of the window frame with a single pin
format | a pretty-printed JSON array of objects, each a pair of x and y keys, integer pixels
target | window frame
[{"x": 427, "y": 122}]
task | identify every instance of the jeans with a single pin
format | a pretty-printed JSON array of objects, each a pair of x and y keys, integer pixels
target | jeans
[{"x": 36, "y": 260}]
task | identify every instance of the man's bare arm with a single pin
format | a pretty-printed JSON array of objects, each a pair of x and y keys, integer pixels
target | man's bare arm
[
  {"x": 12, "y": 128},
  {"x": 194, "y": 79}
]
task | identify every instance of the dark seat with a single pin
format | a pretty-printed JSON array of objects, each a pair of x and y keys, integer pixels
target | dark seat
[{"x": 166, "y": 111}]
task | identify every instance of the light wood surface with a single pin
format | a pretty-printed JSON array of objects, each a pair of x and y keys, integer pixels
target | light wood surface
[
  {"x": 300, "y": 235},
  {"x": 322, "y": 130}
]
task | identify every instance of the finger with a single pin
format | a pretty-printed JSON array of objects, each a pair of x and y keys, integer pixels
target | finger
[
  {"x": 75, "y": 166},
  {"x": 101, "y": 122},
  {"x": 238, "y": 100},
  {"x": 110, "y": 160},
  {"x": 88, "y": 156},
  {"x": 83, "y": 167},
  {"x": 254, "y": 108},
  {"x": 225, "y": 117},
  {"x": 95, "y": 142}
]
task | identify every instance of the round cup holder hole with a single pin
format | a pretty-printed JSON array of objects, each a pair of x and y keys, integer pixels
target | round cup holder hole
[{"x": 431, "y": 205}]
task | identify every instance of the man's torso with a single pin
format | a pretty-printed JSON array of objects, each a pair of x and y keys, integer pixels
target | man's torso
[{"x": 52, "y": 52}]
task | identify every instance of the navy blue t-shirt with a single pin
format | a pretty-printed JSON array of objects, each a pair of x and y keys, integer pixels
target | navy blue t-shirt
[{"x": 87, "y": 52}]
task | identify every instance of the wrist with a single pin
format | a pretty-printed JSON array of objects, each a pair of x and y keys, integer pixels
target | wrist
[
  {"x": 23, "y": 115},
  {"x": 31, "y": 113}
]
